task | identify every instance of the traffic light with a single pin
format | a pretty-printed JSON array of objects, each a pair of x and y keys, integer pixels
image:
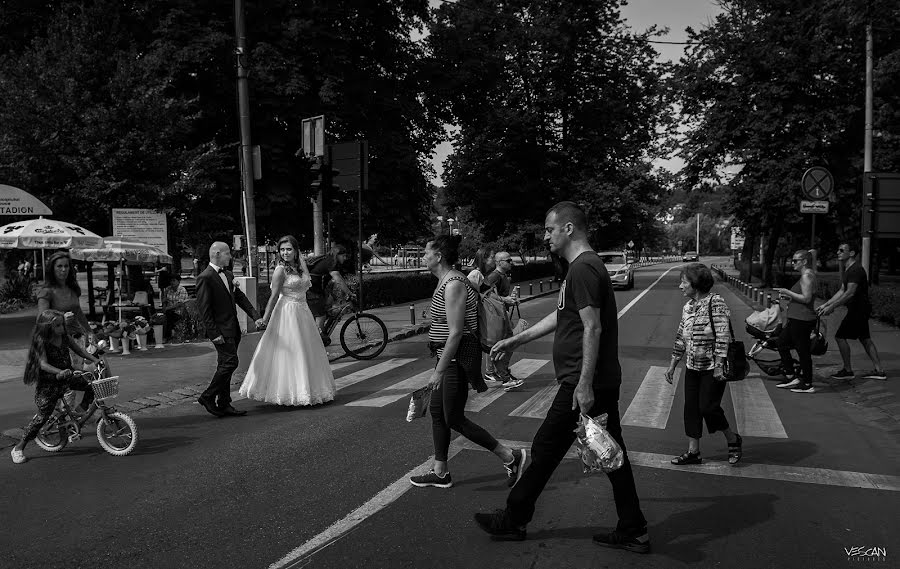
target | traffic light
[{"x": 323, "y": 181}]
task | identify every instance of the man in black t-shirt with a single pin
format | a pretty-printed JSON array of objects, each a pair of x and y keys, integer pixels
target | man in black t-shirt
[
  {"x": 585, "y": 355},
  {"x": 854, "y": 293}
]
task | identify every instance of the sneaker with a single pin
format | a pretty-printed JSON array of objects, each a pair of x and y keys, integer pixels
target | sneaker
[
  {"x": 875, "y": 374},
  {"x": 492, "y": 377},
  {"x": 789, "y": 384},
  {"x": 18, "y": 456},
  {"x": 513, "y": 383},
  {"x": 431, "y": 479},
  {"x": 515, "y": 468},
  {"x": 843, "y": 374},
  {"x": 619, "y": 540},
  {"x": 500, "y": 527},
  {"x": 804, "y": 389}
]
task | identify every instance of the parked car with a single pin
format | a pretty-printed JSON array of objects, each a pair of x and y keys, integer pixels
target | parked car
[
  {"x": 690, "y": 257},
  {"x": 621, "y": 271}
]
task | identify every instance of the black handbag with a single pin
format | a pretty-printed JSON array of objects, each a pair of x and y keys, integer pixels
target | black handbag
[
  {"x": 818, "y": 342},
  {"x": 736, "y": 366}
]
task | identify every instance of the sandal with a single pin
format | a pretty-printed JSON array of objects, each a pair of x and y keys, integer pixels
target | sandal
[
  {"x": 687, "y": 458},
  {"x": 734, "y": 450}
]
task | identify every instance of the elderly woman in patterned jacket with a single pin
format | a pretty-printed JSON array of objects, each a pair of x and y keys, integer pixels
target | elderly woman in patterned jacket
[{"x": 703, "y": 337}]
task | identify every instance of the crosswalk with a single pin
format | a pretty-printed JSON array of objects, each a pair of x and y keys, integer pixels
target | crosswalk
[{"x": 651, "y": 407}]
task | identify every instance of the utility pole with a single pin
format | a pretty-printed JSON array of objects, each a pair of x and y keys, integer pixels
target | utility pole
[
  {"x": 243, "y": 90},
  {"x": 698, "y": 234},
  {"x": 867, "y": 158}
]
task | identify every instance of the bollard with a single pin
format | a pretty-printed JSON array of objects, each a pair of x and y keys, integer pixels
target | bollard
[
  {"x": 530, "y": 289},
  {"x": 412, "y": 314},
  {"x": 768, "y": 301},
  {"x": 541, "y": 286}
]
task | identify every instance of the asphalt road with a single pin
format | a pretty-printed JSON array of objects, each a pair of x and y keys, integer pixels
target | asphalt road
[{"x": 263, "y": 490}]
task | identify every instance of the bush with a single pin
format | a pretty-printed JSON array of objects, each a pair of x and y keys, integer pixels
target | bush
[{"x": 16, "y": 287}]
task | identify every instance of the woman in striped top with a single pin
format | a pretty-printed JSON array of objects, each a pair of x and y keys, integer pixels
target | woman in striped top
[
  {"x": 454, "y": 337},
  {"x": 703, "y": 336}
]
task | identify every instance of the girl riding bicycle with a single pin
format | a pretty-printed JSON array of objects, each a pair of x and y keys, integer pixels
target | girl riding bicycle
[{"x": 50, "y": 366}]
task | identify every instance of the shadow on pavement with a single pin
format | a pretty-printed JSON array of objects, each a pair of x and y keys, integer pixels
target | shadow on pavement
[{"x": 684, "y": 535}]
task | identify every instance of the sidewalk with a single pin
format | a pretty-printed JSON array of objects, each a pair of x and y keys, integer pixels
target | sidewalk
[{"x": 878, "y": 401}]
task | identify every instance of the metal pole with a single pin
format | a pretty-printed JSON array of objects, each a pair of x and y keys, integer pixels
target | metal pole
[
  {"x": 363, "y": 185},
  {"x": 698, "y": 234},
  {"x": 867, "y": 157},
  {"x": 240, "y": 51}
]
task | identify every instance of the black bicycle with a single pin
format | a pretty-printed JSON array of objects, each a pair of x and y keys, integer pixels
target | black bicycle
[{"x": 363, "y": 335}]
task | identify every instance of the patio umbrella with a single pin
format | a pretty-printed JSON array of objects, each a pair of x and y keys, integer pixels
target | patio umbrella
[
  {"x": 114, "y": 249},
  {"x": 46, "y": 234}
]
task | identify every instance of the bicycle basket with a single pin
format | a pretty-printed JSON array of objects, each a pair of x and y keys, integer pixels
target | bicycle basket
[{"x": 106, "y": 388}]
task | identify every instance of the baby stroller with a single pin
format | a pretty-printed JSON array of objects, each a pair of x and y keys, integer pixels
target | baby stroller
[{"x": 765, "y": 327}]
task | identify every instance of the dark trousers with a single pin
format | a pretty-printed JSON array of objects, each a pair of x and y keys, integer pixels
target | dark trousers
[
  {"x": 552, "y": 441},
  {"x": 219, "y": 389},
  {"x": 703, "y": 402},
  {"x": 46, "y": 395},
  {"x": 448, "y": 406},
  {"x": 796, "y": 335}
]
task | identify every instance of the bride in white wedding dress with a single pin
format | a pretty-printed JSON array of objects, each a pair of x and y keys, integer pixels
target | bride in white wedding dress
[{"x": 290, "y": 365}]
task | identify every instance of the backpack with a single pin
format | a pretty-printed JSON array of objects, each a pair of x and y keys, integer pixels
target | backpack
[
  {"x": 317, "y": 282},
  {"x": 493, "y": 321}
]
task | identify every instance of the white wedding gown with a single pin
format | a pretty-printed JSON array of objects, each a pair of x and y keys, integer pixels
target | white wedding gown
[{"x": 290, "y": 365}]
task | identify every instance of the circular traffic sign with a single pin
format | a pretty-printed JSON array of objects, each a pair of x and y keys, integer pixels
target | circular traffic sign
[{"x": 817, "y": 183}]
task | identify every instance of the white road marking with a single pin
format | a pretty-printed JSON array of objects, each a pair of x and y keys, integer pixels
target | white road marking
[
  {"x": 340, "y": 528},
  {"x": 342, "y": 365},
  {"x": 522, "y": 369},
  {"x": 537, "y": 406},
  {"x": 643, "y": 292},
  {"x": 395, "y": 392},
  {"x": 800, "y": 474},
  {"x": 754, "y": 412},
  {"x": 653, "y": 401},
  {"x": 371, "y": 371}
]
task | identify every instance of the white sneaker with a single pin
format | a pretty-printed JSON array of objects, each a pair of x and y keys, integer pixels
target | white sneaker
[
  {"x": 17, "y": 456},
  {"x": 789, "y": 384}
]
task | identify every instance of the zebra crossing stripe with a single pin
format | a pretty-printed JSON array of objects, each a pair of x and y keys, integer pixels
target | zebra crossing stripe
[
  {"x": 395, "y": 392},
  {"x": 539, "y": 403},
  {"x": 754, "y": 412},
  {"x": 342, "y": 365},
  {"x": 370, "y": 372},
  {"x": 522, "y": 369},
  {"x": 653, "y": 401}
]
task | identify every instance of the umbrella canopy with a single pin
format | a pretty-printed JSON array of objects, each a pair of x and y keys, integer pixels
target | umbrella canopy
[
  {"x": 114, "y": 249},
  {"x": 46, "y": 234}
]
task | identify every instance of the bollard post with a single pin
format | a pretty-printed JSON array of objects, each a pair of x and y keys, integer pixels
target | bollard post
[
  {"x": 768, "y": 301},
  {"x": 541, "y": 286},
  {"x": 530, "y": 289},
  {"x": 412, "y": 314}
]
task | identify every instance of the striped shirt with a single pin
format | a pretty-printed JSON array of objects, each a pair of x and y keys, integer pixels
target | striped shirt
[
  {"x": 440, "y": 329},
  {"x": 695, "y": 334}
]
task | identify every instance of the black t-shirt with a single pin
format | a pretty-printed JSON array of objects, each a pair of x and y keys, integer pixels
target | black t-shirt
[
  {"x": 587, "y": 284},
  {"x": 856, "y": 274},
  {"x": 501, "y": 281},
  {"x": 320, "y": 269}
]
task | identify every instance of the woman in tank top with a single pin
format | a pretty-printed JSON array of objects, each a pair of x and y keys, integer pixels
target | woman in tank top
[
  {"x": 801, "y": 321},
  {"x": 453, "y": 336}
]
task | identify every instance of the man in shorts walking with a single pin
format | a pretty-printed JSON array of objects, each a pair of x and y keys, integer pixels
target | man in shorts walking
[{"x": 854, "y": 293}]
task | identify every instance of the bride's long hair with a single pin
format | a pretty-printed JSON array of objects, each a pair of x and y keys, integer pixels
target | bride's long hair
[{"x": 295, "y": 266}]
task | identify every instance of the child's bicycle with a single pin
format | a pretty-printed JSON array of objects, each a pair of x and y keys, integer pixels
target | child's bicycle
[
  {"x": 116, "y": 431},
  {"x": 363, "y": 335}
]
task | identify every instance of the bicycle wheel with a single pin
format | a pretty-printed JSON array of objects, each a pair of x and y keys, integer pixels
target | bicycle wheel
[
  {"x": 364, "y": 336},
  {"x": 51, "y": 437},
  {"x": 117, "y": 433}
]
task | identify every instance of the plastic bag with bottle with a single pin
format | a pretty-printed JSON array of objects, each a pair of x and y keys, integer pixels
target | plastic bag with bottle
[{"x": 598, "y": 450}]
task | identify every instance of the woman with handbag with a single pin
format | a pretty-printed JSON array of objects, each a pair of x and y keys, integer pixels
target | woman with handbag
[
  {"x": 801, "y": 321},
  {"x": 703, "y": 337},
  {"x": 453, "y": 338}
]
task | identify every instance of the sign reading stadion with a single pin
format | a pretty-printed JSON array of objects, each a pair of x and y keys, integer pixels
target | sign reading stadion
[{"x": 14, "y": 201}]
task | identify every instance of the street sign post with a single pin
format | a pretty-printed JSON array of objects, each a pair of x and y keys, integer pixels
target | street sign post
[{"x": 816, "y": 184}]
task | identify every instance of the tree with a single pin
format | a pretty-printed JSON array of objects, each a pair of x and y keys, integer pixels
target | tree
[
  {"x": 554, "y": 100},
  {"x": 770, "y": 89}
]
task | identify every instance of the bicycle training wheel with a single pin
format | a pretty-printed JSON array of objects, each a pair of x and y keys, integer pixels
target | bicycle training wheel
[
  {"x": 117, "y": 433},
  {"x": 364, "y": 336},
  {"x": 51, "y": 437}
]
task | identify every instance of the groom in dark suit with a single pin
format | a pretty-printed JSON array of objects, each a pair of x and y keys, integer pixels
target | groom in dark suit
[{"x": 216, "y": 298}]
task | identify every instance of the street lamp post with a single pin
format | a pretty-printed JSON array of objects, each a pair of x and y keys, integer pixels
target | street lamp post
[{"x": 450, "y": 221}]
